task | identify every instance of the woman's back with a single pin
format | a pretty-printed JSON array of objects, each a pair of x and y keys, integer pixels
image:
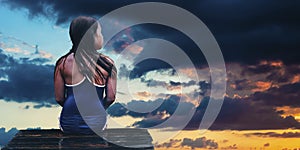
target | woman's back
[
  {"x": 71, "y": 73},
  {"x": 83, "y": 106},
  {"x": 83, "y": 110},
  {"x": 82, "y": 94}
]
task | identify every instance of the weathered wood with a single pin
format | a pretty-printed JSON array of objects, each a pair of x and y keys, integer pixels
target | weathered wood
[{"x": 112, "y": 139}]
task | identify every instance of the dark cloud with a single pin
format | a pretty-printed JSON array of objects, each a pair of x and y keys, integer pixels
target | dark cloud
[
  {"x": 121, "y": 44},
  {"x": 27, "y": 80},
  {"x": 260, "y": 69},
  {"x": 285, "y": 95},
  {"x": 276, "y": 135},
  {"x": 26, "y": 107},
  {"x": 150, "y": 121},
  {"x": 285, "y": 148},
  {"x": 172, "y": 143},
  {"x": 123, "y": 71},
  {"x": 169, "y": 105},
  {"x": 154, "y": 83},
  {"x": 5, "y": 137},
  {"x": 201, "y": 142},
  {"x": 243, "y": 84},
  {"x": 164, "y": 107},
  {"x": 230, "y": 147},
  {"x": 169, "y": 34},
  {"x": 117, "y": 110},
  {"x": 204, "y": 88},
  {"x": 42, "y": 105},
  {"x": 235, "y": 114},
  {"x": 185, "y": 84},
  {"x": 146, "y": 66},
  {"x": 245, "y": 31},
  {"x": 271, "y": 82},
  {"x": 249, "y": 32},
  {"x": 275, "y": 71},
  {"x": 175, "y": 83},
  {"x": 267, "y": 145},
  {"x": 239, "y": 114},
  {"x": 278, "y": 77}
]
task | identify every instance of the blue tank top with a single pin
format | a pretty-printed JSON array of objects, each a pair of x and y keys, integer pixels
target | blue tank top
[{"x": 83, "y": 108}]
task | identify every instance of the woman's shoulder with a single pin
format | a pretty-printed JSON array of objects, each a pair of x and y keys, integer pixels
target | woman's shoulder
[
  {"x": 108, "y": 59},
  {"x": 61, "y": 60}
]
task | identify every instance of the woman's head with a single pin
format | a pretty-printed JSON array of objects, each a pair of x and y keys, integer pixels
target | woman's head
[{"x": 86, "y": 33}]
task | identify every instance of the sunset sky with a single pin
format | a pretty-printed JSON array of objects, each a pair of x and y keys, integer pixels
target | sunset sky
[{"x": 259, "y": 41}]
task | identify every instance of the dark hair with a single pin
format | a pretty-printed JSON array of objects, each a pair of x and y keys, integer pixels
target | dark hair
[
  {"x": 81, "y": 32},
  {"x": 89, "y": 61}
]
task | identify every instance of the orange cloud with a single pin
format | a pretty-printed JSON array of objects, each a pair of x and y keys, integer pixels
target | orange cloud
[
  {"x": 16, "y": 50},
  {"x": 174, "y": 88},
  {"x": 289, "y": 111},
  {"x": 13, "y": 49},
  {"x": 45, "y": 54},
  {"x": 261, "y": 86},
  {"x": 187, "y": 98},
  {"x": 271, "y": 63},
  {"x": 135, "y": 49},
  {"x": 233, "y": 86},
  {"x": 263, "y": 62},
  {"x": 143, "y": 95},
  {"x": 188, "y": 72},
  {"x": 237, "y": 96},
  {"x": 276, "y": 63},
  {"x": 296, "y": 78}
]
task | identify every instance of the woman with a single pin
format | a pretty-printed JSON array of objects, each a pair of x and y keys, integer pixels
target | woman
[{"x": 81, "y": 77}]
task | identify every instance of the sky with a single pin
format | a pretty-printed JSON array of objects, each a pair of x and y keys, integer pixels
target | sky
[{"x": 260, "y": 108}]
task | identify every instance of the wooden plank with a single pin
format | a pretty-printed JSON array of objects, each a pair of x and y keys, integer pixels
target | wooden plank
[{"x": 55, "y": 139}]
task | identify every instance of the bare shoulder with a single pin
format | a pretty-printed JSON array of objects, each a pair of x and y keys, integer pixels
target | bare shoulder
[
  {"x": 70, "y": 58},
  {"x": 59, "y": 62},
  {"x": 62, "y": 60}
]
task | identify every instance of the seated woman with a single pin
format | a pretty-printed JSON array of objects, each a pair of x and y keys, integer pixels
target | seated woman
[{"x": 81, "y": 77}]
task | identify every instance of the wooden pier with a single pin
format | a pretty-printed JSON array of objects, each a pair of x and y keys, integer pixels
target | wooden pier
[{"x": 54, "y": 139}]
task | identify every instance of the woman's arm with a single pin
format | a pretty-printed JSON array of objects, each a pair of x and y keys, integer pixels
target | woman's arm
[
  {"x": 59, "y": 88},
  {"x": 110, "y": 91},
  {"x": 111, "y": 87}
]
